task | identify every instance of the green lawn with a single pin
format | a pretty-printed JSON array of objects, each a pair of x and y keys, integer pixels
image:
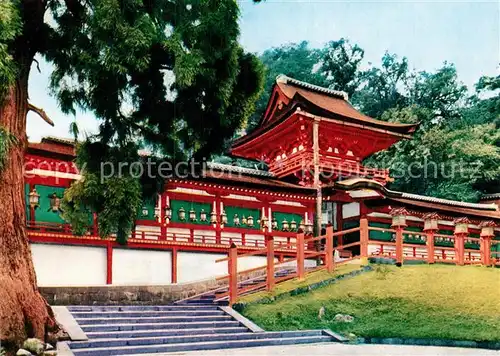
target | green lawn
[{"x": 419, "y": 301}]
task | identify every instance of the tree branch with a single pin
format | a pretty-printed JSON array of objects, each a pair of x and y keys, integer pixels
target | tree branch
[{"x": 40, "y": 113}]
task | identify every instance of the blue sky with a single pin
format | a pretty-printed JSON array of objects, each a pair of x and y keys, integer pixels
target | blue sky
[{"x": 466, "y": 33}]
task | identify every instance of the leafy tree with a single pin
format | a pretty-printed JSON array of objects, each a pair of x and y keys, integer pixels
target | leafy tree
[
  {"x": 340, "y": 65},
  {"x": 383, "y": 88},
  {"x": 166, "y": 74}
]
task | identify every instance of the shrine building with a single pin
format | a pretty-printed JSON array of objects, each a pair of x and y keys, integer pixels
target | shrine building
[{"x": 313, "y": 143}]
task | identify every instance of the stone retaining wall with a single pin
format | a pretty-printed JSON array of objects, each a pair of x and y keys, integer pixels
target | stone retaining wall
[{"x": 119, "y": 295}]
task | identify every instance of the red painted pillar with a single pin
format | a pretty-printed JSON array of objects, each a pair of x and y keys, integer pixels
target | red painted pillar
[
  {"x": 233, "y": 274},
  {"x": 363, "y": 239},
  {"x": 109, "y": 263},
  {"x": 174, "y": 266},
  {"x": 270, "y": 263},
  {"x": 399, "y": 245},
  {"x": 430, "y": 246},
  {"x": 459, "y": 249},
  {"x": 217, "y": 225},
  {"x": 329, "y": 249},
  {"x": 300, "y": 256},
  {"x": 486, "y": 250},
  {"x": 163, "y": 225}
]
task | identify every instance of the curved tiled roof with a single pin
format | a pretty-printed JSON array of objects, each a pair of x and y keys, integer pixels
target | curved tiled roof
[{"x": 287, "y": 80}]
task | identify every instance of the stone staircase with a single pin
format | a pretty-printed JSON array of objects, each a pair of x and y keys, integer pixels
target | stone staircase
[{"x": 195, "y": 325}]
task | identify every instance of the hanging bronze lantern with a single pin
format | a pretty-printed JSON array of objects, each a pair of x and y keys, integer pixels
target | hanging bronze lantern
[
  {"x": 309, "y": 227},
  {"x": 236, "y": 220},
  {"x": 244, "y": 221},
  {"x": 168, "y": 214},
  {"x": 263, "y": 223},
  {"x": 192, "y": 215},
  {"x": 34, "y": 199},
  {"x": 203, "y": 215},
  {"x": 274, "y": 224},
  {"x": 213, "y": 218},
  {"x": 284, "y": 225},
  {"x": 182, "y": 214},
  {"x": 55, "y": 203},
  {"x": 223, "y": 217},
  {"x": 302, "y": 226},
  {"x": 431, "y": 222},
  {"x": 250, "y": 220},
  {"x": 399, "y": 217},
  {"x": 157, "y": 212},
  {"x": 293, "y": 225}
]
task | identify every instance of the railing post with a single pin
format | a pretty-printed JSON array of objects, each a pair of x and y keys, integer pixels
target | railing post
[
  {"x": 363, "y": 239},
  {"x": 300, "y": 256},
  {"x": 270, "y": 263},
  {"x": 486, "y": 250},
  {"x": 430, "y": 246},
  {"x": 459, "y": 249},
  {"x": 233, "y": 274},
  {"x": 329, "y": 261},
  {"x": 109, "y": 262},
  {"x": 399, "y": 245}
]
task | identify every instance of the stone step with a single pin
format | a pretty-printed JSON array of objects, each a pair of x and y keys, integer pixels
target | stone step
[
  {"x": 102, "y": 308},
  {"x": 161, "y": 319},
  {"x": 146, "y": 313},
  {"x": 210, "y": 345},
  {"x": 196, "y": 338},
  {"x": 156, "y": 326},
  {"x": 93, "y": 335}
]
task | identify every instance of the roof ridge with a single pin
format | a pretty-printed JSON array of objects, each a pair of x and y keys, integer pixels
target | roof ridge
[
  {"x": 281, "y": 78},
  {"x": 480, "y": 206},
  {"x": 237, "y": 169}
]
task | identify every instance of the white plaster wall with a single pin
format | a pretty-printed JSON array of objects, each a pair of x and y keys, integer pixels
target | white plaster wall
[
  {"x": 194, "y": 266},
  {"x": 60, "y": 265},
  {"x": 250, "y": 238},
  {"x": 350, "y": 210},
  {"x": 141, "y": 267}
]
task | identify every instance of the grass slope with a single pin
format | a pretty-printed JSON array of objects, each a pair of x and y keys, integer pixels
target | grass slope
[{"x": 421, "y": 301}]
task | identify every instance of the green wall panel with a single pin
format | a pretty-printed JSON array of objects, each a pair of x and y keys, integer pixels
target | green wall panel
[
  {"x": 380, "y": 235},
  {"x": 353, "y": 236},
  {"x": 232, "y": 210},
  {"x": 187, "y": 205},
  {"x": 44, "y": 213},
  {"x": 288, "y": 217}
]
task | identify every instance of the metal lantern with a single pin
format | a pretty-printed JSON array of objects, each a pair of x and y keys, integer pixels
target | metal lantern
[
  {"x": 55, "y": 203},
  {"x": 250, "y": 220},
  {"x": 274, "y": 224},
  {"x": 157, "y": 212},
  {"x": 302, "y": 226},
  {"x": 399, "y": 217},
  {"x": 182, "y": 214},
  {"x": 431, "y": 222},
  {"x": 223, "y": 217},
  {"x": 203, "y": 215},
  {"x": 462, "y": 226},
  {"x": 284, "y": 225},
  {"x": 213, "y": 218},
  {"x": 236, "y": 220},
  {"x": 487, "y": 228},
  {"x": 244, "y": 221},
  {"x": 192, "y": 215},
  {"x": 34, "y": 199},
  {"x": 309, "y": 227},
  {"x": 168, "y": 213},
  {"x": 293, "y": 225},
  {"x": 263, "y": 223}
]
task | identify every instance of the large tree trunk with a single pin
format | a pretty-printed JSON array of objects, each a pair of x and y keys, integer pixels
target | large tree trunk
[{"x": 23, "y": 311}]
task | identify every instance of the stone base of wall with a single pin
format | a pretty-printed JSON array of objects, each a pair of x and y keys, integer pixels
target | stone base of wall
[{"x": 123, "y": 295}]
